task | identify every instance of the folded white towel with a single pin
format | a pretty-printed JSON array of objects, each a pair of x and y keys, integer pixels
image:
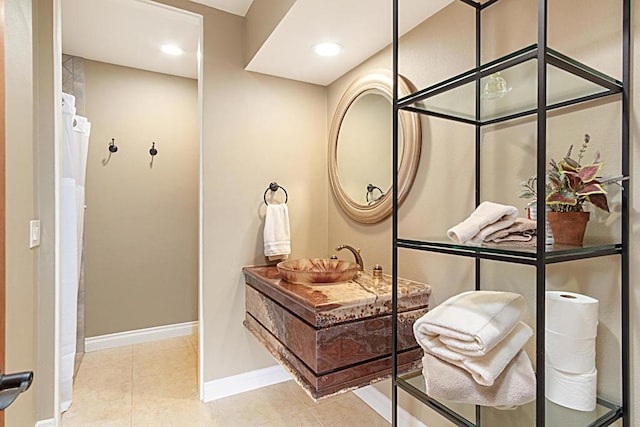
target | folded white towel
[
  {"x": 277, "y": 243},
  {"x": 516, "y": 386},
  {"x": 488, "y": 218},
  {"x": 472, "y": 321},
  {"x": 484, "y": 369}
]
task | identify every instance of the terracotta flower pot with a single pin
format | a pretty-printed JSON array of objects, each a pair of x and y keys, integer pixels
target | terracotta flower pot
[{"x": 568, "y": 227}]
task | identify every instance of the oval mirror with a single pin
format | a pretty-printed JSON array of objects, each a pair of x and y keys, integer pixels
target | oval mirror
[{"x": 360, "y": 147}]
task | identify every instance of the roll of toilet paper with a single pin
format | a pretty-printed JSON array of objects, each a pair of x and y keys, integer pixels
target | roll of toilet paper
[
  {"x": 568, "y": 354},
  {"x": 575, "y": 391},
  {"x": 570, "y": 314}
]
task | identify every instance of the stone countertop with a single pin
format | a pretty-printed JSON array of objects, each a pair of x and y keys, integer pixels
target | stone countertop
[{"x": 328, "y": 304}]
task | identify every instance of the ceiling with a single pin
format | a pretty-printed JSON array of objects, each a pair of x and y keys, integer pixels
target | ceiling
[
  {"x": 362, "y": 27},
  {"x": 237, "y": 7},
  {"x": 130, "y": 33}
]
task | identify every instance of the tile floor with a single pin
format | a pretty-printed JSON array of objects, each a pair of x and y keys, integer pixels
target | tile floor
[{"x": 155, "y": 384}]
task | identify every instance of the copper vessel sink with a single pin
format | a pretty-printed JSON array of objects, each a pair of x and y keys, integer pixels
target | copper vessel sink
[{"x": 317, "y": 270}]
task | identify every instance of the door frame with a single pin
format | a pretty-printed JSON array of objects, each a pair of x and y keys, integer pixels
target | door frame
[
  {"x": 57, "y": 71},
  {"x": 3, "y": 299}
]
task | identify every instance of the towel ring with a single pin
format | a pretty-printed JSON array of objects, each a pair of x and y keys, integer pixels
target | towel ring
[
  {"x": 274, "y": 187},
  {"x": 370, "y": 189}
]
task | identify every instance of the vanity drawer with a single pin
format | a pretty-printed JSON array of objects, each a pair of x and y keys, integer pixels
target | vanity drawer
[
  {"x": 335, "y": 382},
  {"x": 332, "y": 347}
]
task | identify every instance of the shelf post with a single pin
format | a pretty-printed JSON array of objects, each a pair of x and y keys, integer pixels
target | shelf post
[
  {"x": 394, "y": 226},
  {"x": 541, "y": 218},
  {"x": 624, "y": 261},
  {"x": 478, "y": 163}
]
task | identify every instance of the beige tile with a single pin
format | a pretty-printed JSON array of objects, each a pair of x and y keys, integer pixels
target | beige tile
[
  {"x": 80, "y": 422},
  {"x": 172, "y": 362},
  {"x": 101, "y": 405},
  {"x": 299, "y": 419},
  {"x": 194, "y": 341},
  {"x": 171, "y": 373},
  {"x": 260, "y": 406},
  {"x": 302, "y": 399},
  {"x": 164, "y": 411},
  {"x": 174, "y": 385},
  {"x": 162, "y": 345},
  {"x": 107, "y": 383},
  {"x": 112, "y": 356},
  {"x": 293, "y": 393},
  {"x": 348, "y": 411},
  {"x": 155, "y": 384},
  {"x": 102, "y": 390},
  {"x": 87, "y": 419},
  {"x": 100, "y": 399}
]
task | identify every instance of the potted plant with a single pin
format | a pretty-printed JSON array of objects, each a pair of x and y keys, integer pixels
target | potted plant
[{"x": 570, "y": 184}]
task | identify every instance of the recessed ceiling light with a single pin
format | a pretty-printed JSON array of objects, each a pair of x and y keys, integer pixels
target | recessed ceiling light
[
  {"x": 171, "y": 49},
  {"x": 327, "y": 49}
]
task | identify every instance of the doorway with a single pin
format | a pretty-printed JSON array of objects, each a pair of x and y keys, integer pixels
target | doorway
[
  {"x": 133, "y": 297},
  {"x": 2, "y": 201}
]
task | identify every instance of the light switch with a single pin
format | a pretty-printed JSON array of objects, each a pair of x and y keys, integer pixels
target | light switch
[{"x": 34, "y": 233}]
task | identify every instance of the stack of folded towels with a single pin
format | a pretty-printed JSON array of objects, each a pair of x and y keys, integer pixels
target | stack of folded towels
[
  {"x": 494, "y": 223},
  {"x": 473, "y": 350}
]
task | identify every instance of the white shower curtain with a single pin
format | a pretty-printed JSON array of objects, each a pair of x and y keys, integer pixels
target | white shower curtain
[{"x": 75, "y": 147}]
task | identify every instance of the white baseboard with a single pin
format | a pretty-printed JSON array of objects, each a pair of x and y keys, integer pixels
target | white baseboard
[
  {"x": 236, "y": 384},
  {"x": 103, "y": 342},
  {"x": 380, "y": 403},
  {"x": 45, "y": 423}
]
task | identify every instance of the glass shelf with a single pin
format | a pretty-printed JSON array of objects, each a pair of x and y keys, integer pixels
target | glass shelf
[
  {"x": 555, "y": 415},
  {"x": 510, "y": 253},
  {"x": 568, "y": 82}
]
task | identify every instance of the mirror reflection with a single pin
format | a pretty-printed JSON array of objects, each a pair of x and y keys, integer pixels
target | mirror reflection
[
  {"x": 360, "y": 148},
  {"x": 364, "y": 147}
]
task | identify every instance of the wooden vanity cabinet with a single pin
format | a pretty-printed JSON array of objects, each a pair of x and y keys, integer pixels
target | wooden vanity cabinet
[{"x": 333, "y": 337}]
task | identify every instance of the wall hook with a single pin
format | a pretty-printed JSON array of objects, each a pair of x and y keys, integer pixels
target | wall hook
[
  {"x": 112, "y": 146},
  {"x": 153, "y": 152},
  {"x": 112, "y": 149}
]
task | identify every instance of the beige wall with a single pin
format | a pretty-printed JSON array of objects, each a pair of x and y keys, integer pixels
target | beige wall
[
  {"x": 257, "y": 129},
  {"x": 443, "y": 195},
  {"x": 21, "y": 314},
  {"x": 141, "y": 232},
  {"x": 262, "y": 18},
  {"x": 45, "y": 118}
]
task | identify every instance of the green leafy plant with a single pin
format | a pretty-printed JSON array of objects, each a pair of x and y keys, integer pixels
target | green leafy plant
[
  {"x": 570, "y": 184},
  {"x": 529, "y": 190}
]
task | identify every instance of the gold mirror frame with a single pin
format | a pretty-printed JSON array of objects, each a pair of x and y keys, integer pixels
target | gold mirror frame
[{"x": 409, "y": 124}]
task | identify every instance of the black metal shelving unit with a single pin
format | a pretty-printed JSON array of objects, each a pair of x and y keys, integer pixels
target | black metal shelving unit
[{"x": 579, "y": 84}]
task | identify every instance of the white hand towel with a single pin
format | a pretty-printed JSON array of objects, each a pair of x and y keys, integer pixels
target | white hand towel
[
  {"x": 485, "y": 369},
  {"x": 488, "y": 218},
  {"x": 516, "y": 386},
  {"x": 472, "y": 321},
  {"x": 277, "y": 242}
]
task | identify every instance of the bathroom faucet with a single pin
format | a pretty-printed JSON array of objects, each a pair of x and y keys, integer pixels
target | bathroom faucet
[{"x": 355, "y": 252}]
